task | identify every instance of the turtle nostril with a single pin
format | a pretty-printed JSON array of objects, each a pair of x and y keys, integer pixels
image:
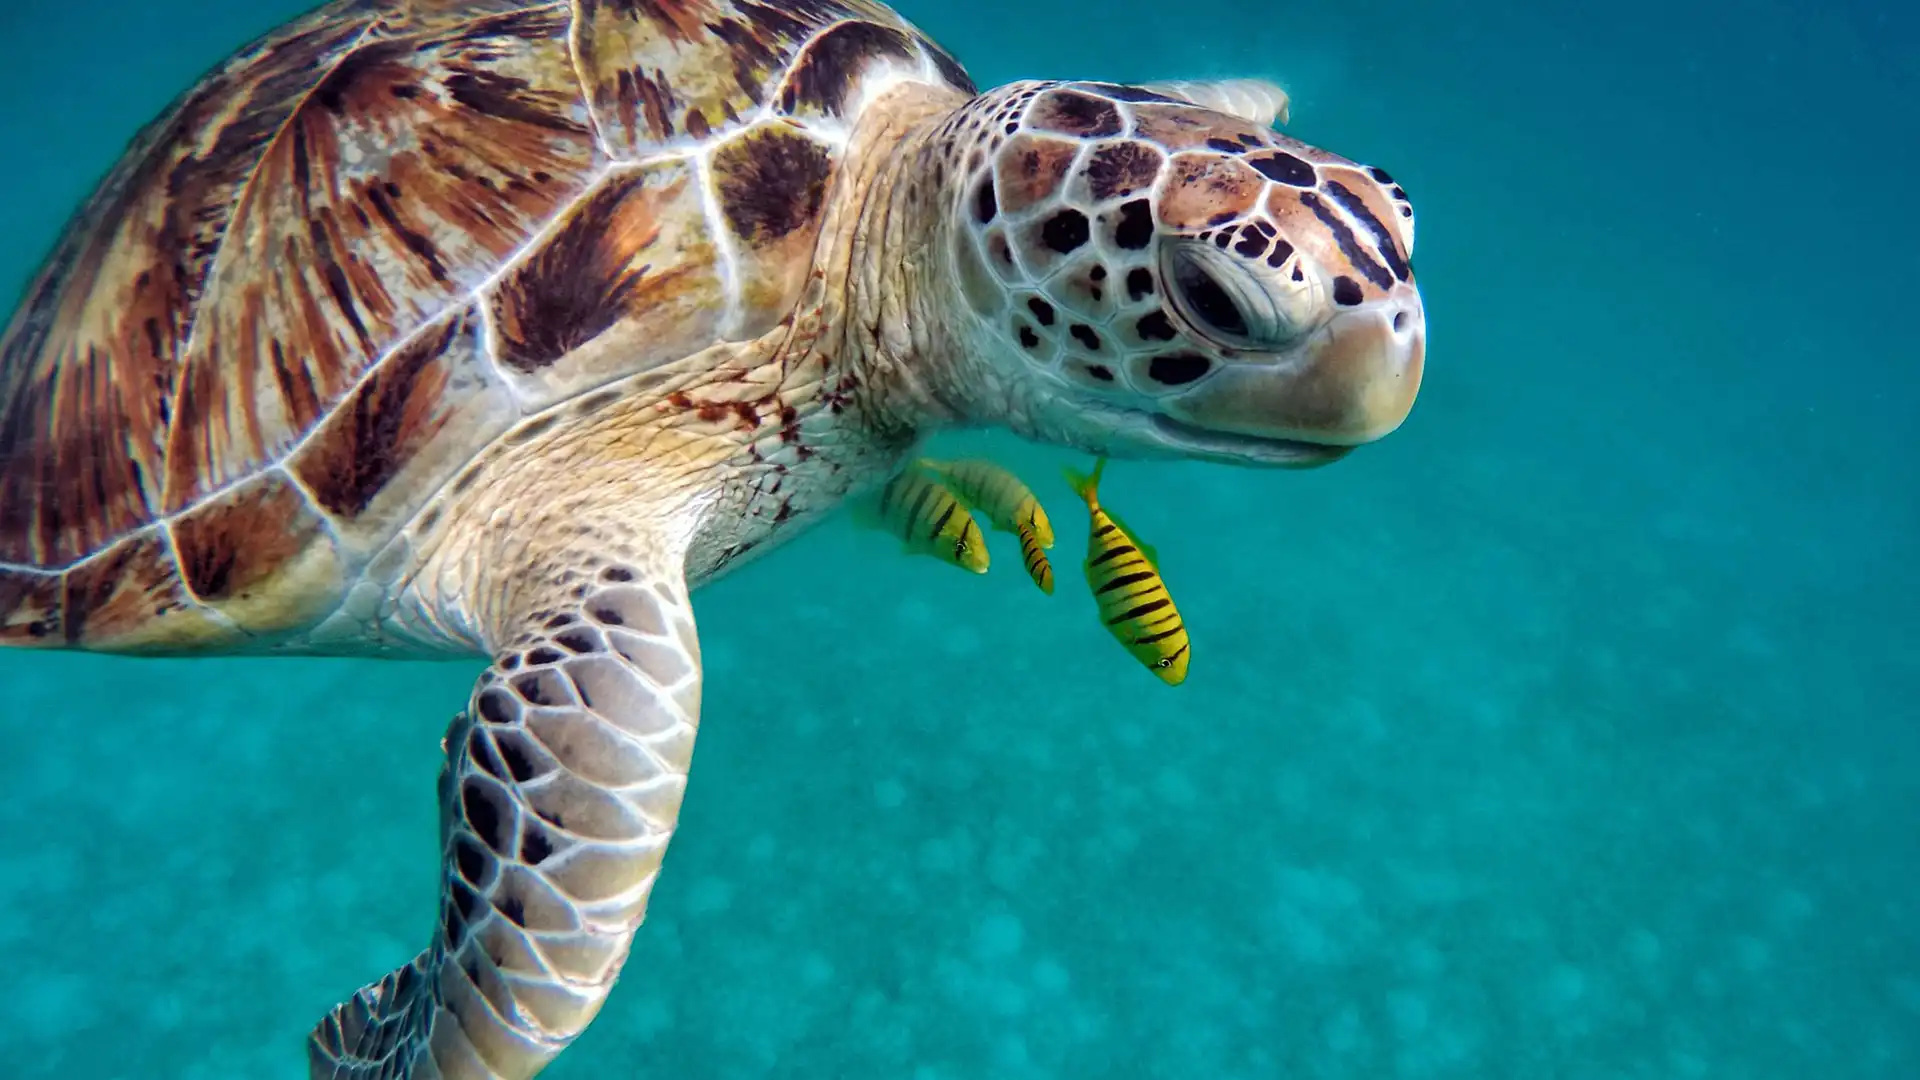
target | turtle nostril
[{"x": 1399, "y": 322}]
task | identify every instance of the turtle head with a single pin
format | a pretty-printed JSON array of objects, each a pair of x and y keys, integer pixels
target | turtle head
[{"x": 1154, "y": 278}]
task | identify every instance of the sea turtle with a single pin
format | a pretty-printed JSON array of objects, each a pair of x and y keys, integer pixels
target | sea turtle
[{"x": 495, "y": 327}]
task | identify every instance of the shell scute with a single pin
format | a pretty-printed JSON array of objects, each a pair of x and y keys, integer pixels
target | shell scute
[
  {"x": 825, "y": 73},
  {"x": 415, "y": 169},
  {"x": 373, "y": 241},
  {"x": 31, "y": 607},
  {"x": 261, "y": 555},
  {"x": 666, "y": 74},
  {"x": 88, "y": 365},
  {"x": 771, "y": 184},
  {"x": 131, "y": 599},
  {"x": 388, "y": 441},
  {"x": 629, "y": 279}
]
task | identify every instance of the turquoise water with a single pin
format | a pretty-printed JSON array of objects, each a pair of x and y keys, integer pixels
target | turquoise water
[{"x": 1569, "y": 733}]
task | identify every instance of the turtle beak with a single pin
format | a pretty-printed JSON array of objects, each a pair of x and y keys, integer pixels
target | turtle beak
[{"x": 1351, "y": 382}]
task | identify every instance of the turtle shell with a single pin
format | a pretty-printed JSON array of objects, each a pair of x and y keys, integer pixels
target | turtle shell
[{"x": 369, "y": 243}]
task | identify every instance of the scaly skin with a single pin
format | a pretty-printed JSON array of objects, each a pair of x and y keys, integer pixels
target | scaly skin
[{"x": 734, "y": 448}]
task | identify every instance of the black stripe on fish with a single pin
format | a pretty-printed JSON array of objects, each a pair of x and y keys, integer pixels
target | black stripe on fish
[
  {"x": 945, "y": 516},
  {"x": 1161, "y": 636},
  {"x": 1151, "y": 588},
  {"x": 1144, "y": 609},
  {"x": 913, "y": 515},
  {"x": 1125, "y": 580},
  {"x": 1112, "y": 553}
]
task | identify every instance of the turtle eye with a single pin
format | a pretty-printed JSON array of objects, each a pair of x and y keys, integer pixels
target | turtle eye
[
  {"x": 1206, "y": 301},
  {"x": 1224, "y": 300}
]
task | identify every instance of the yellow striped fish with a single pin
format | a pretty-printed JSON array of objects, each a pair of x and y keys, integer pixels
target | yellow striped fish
[
  {"x": 1126, "y": 584},
  {"x": 1009, "y": 504},
  {"x": 931, "y": 520}
]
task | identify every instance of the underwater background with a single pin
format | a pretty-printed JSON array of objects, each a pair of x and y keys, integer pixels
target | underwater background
[{"x": 1571, "y": 732}]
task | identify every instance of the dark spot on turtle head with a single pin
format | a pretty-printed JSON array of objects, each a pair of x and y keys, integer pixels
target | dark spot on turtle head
[
  {"x": 1101, "y": 372},
  {"x": 1379, "y": 174},
  {"x": 1085, "y": 335},
  {"x": 984, "y": 203},
  {"x": 1224, "y": 237},
  {"x": 1346, "y": 291},
  {"x": 1001, "y": 249},
  {"x": 1386, "y": 243},
  {"x": 1041, "y": 310},
  {"x": 1135, "y": 229},
  {"x": 1139, "y": 283},
  {"x": 1154, "y": 326},
  {"x": 1065, "y": 231},
  {"x": 1177, "y": 369},
  {"x": 1282, "y": 251},
  {"x": 1252, "y": 245},
  {"x": 1070, "y": 113},
  {"x": 1226, "y": 146},
  {"x": 1028, "y": 339},
  {"x": 544, "y": 655},
  {"x": 1122, "y": 169},
  {"x": 1284, "y": 168}
]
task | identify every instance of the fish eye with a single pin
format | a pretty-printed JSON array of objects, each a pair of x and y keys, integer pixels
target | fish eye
[
  {"x": 960, "y": 547},
  {"x": 1165, "y": 661}
]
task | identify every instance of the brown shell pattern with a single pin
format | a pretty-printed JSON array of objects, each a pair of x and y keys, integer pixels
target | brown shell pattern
[{"x": 372, "y": 241}]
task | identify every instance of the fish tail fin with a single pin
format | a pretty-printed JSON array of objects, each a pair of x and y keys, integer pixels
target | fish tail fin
[{"x": 1087, "y": 485}]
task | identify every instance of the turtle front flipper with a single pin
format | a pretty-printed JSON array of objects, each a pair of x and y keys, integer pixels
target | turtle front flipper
[
  {"x": 561, "y": 788},
  {"x": 1256, "y": 101}
]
